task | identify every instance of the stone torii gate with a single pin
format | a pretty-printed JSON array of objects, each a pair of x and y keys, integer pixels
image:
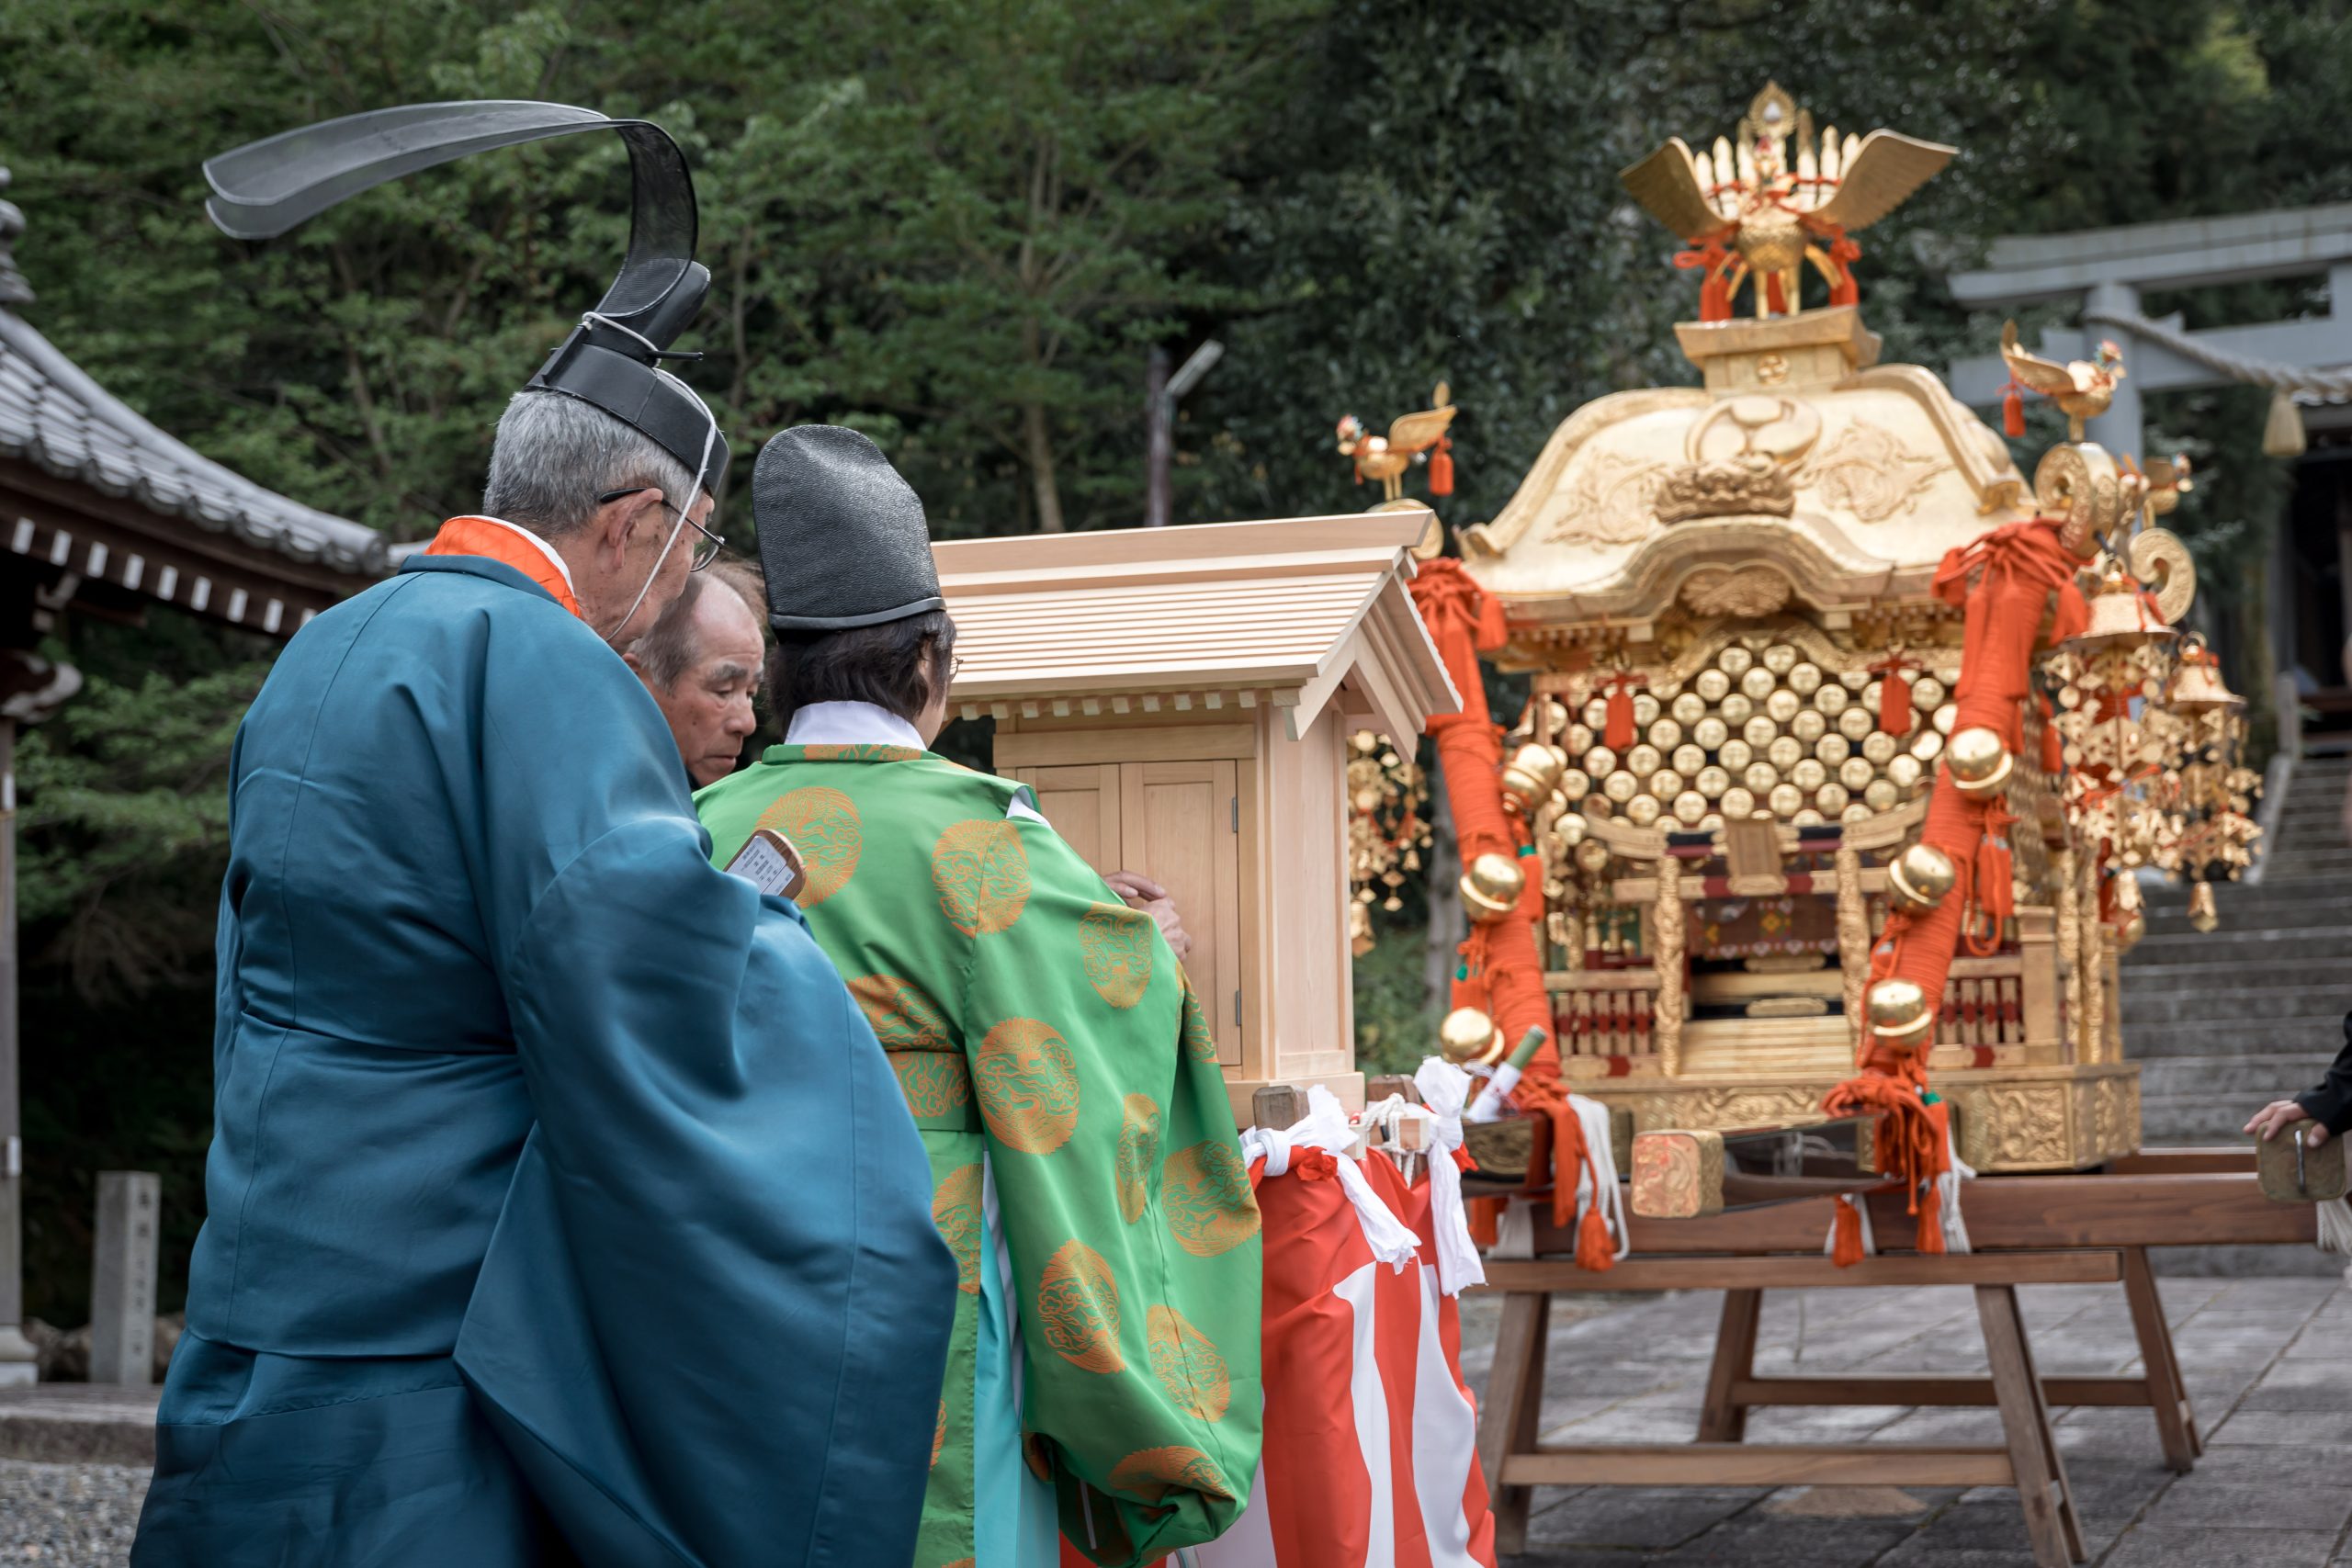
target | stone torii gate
[{"x": 2108, "y": 271}]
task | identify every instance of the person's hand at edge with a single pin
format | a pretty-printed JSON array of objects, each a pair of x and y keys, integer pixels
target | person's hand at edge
[
  {"x": 1140, "y": 892},
  {"x": 2281, "y": 1113}
]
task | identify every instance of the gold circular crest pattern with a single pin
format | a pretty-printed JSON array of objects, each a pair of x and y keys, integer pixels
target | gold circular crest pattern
[
  {"x": 934, "y": 1083},
  {"x": 956, "y": 1210},
  {"x": 1200, "y": 1040},
  {"x": 1028, "y": 1085},
  {"x": 1205, "y": 1191},
  {"x": 982, "y": 876},
  {"x": 1187, "y": 1364},
  {"x": 823, "y": 826},
  {"x": 902, "y": 1014},
  {"x": 1115, "y": 944},
  {"x": 1152, "y": 1473},
  {"x": 1138, "y": 1152},
  {"x": 1077, "y": 1309}
]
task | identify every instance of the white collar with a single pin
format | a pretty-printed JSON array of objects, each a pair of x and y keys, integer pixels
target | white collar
[
  {"x": 850, "y": 724},
  {"x": 562, "y": 568}
]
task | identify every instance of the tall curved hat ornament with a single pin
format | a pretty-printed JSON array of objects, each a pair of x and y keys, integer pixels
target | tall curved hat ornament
[{"x": 613, "y": 358}]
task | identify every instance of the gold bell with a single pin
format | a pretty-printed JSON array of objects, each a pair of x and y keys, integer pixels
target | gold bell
[
  {"x": 2202, "y": 915},
  {"x": 2119, "y": 618},
  {"x": 1900, "y": 1012},
  {"x": 1360, "y": 937},
  {"x": 1980, "y": 764},
  {"x": 1491, "y": 887},
  {"x": 2197, "y": 687},
  {"x": 1533, "y": 772},
  {"x": 1468, "y": 1035},
  {"x": 1920, "y": 877},
  {"x": 2128, "y": 930}
]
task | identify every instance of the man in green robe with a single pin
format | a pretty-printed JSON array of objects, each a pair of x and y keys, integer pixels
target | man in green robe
[{"x": 1102, "y": 1371}]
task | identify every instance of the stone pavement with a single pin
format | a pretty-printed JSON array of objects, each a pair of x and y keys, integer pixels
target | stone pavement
[{"x": 2268, "y": 1364}]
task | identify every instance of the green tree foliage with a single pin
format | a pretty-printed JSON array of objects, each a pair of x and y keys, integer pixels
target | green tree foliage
[{"x": 960, "y": 226}]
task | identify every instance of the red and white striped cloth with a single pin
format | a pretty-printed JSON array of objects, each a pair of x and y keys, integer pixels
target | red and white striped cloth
[{"x": 1371, "y": 1456}]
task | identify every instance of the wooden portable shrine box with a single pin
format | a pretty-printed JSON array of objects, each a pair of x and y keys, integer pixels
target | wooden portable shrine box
[{"x": 1182, "y": 700}]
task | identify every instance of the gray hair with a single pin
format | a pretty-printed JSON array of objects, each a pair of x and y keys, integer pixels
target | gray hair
[
  {"x": 555, "y": 455},
  {"x": 666, "y": 649}
]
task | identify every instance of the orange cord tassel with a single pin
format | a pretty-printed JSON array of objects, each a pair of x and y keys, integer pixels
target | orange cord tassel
[
  {"x": 2013, "y": 413},
  {"x": 1442, "y": 468},
  {"x": 1846, "y": 1235},
  {"x": 1618, "y": 733},
  {"x": 1594, "y": 1249},
  {"x": 1894, "y": 701}
]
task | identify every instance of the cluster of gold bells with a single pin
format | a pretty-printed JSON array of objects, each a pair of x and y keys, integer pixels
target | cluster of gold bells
[
  {"x": 1388, "y": 829},
  {"x": 1760, "y": 728},
  {"x": 2153, "y": 738}
]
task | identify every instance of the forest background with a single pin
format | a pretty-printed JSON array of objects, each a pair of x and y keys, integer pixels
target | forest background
[{"x": 962, "y": 226}]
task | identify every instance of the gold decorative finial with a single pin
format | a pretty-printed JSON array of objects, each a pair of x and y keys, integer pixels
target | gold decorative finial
[
  {"x": 2081, "y": 387},
  {"x": 1762, "y": 209},
  {"x": 1416, "y": 437}
]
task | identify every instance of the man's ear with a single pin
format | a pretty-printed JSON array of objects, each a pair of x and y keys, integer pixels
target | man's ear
[
  {"x": 617, "y": 519},
  {"x": 630, "y": 658}
]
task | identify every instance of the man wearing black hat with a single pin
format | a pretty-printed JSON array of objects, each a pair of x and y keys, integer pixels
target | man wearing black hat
[
  {"x": 1102, "y": 1372},
  {"x": 555, "y": 1177}
]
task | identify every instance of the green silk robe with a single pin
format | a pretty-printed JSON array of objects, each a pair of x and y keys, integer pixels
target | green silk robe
[{"x": 1067, "y": 1088}]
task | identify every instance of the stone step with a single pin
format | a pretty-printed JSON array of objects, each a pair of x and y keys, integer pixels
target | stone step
[
  {"x": 2205, "y": 1120},
  {"x": 2256, "y": 1076},
  {"x": 2275, "y": 974},
  {"x": 2148, "y": 1042},
  {"x": 2307, "y": 866},
  {"x": 2238, "y": 1020},
  {"x": 2270, "y": 942},
  {"x": 78, "y": 1424},
  {"x": 2300, "y": 914},
  {"x": 2265, "y": 894}
]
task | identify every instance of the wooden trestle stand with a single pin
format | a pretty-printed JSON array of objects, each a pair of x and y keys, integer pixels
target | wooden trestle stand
[{"x": 2088, "y": 1228}]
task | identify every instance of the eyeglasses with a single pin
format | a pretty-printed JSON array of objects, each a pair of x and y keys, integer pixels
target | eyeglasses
[
  {"x": 955, "y": 666},
  {"x": 706, "y": 551}
]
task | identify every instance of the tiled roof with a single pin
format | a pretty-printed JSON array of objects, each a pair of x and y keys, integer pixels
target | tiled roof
[{"x": 53, "y": 416}]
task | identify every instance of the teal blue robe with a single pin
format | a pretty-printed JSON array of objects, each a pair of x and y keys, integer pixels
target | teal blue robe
[{"x": 561, "y": 1205}]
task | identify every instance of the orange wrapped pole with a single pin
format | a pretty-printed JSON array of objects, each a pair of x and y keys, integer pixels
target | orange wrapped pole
[
  {"x": 2004, "y": 581},
  {"x": 1500, "y": 972}
]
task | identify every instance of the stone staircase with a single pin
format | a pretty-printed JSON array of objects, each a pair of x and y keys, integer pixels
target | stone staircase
[{"x": 2223, "y": 1023}]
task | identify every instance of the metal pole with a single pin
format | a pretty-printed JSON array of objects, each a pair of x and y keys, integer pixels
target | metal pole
[
  {"x": 1159, "y": 442},
  {"x": 17, "y": 1355}
]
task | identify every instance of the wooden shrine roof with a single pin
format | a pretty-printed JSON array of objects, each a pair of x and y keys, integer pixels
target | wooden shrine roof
[{"x": 1287, "y": 612}]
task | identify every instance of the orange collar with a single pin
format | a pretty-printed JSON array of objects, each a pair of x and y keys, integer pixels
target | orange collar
[{"x": 509, "y": 546}]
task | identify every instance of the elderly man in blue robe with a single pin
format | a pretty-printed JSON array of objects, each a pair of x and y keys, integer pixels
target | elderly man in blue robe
[{"x": 562, "y": 1206}]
